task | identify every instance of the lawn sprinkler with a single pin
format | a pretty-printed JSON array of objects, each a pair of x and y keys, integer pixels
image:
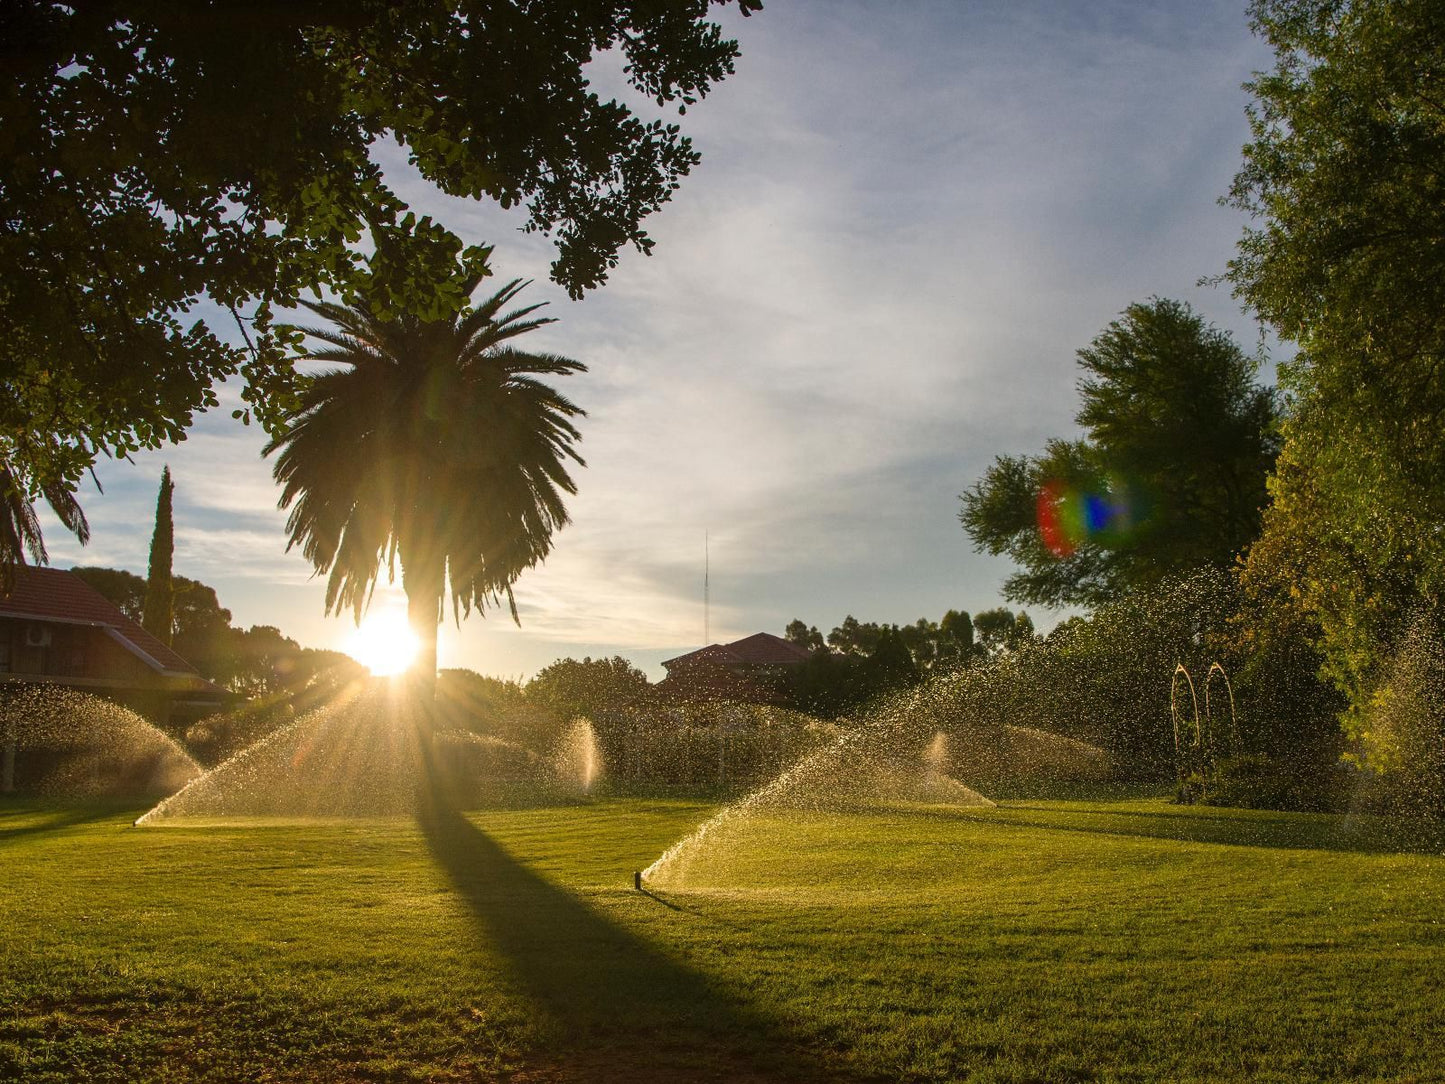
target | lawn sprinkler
[{"x": 637, "y": 880}]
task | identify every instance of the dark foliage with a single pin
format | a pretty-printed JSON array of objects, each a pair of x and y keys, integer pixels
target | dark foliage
[
  {"x": 1345, "y": 181},
  {"x": 158, "y": 615},
  {"x": 1179, "y": 442},
  {"x": 157, "y": 154},
  {"x": 433, "y": 443}
]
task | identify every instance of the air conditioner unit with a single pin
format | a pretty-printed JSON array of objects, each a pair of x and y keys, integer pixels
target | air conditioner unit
[{"x": 37, "y": 635}]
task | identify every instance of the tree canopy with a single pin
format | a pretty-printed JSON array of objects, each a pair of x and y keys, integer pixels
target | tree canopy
[
  {"x": 1169, "y": 476},
  {"x": 1001, "y": 631},
  {"x": 945, "y": 643},
  {"x": 862, "y": 660},
  {"x": 1344, "y": 185},
  {"x": 591, "y": 688},
  {"x": 1345, "y": 181},
  {"x": 433, "y": 442},
  {"x": 157, "y": 155}
]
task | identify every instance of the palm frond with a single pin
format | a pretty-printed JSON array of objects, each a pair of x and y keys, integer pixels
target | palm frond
[{"x": 439, "y": 446}]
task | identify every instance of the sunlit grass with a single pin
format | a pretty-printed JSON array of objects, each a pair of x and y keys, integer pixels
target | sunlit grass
[{"x": 1119, "y": 940}]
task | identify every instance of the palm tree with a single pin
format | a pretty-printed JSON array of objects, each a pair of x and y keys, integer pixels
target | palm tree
[
  {"x": 433, "y": 444},
  {"x": 20, "y": 531}
]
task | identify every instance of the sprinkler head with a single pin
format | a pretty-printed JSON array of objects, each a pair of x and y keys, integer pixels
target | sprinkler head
[{"x": 637, "y": 880}]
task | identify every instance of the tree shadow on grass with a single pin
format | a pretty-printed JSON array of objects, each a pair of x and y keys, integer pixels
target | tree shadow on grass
[
  {"x": 624, "y": 1010},
  {"x": 1360, "y": 833},
  {"x": 17, "y": 823}
]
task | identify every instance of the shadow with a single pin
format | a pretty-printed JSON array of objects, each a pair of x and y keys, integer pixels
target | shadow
[
  {"x": 696, "y": 912},
  {"x": 666, "y": 903},
  {"x": 1349, "y": 832},
  {"x": 623, "y": 1009},
  {"x": 50, "y": 820}
]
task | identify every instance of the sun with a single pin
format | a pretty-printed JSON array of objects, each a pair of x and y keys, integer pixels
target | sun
[{"x": 384, "y": 644}]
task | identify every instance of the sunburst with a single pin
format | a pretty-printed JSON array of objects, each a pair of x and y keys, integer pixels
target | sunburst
[{"x": 384, "y": 644}]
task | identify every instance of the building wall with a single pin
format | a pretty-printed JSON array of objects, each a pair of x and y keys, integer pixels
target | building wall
[
  {"x": 74, "y": 651},
  {"x": 85, "y": 658}
]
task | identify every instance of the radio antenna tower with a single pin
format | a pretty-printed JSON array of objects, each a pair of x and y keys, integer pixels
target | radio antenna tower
[{"x": 706, "y": 593}]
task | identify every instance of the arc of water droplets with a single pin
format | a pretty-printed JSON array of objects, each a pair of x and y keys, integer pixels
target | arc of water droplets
[
  {"x": 757, "y": 799},
  {"x": 79, "y": 745},
  {"x": 886, "y": 731}
]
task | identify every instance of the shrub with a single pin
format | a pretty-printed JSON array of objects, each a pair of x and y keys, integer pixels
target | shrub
[{"x": 1257, "y": 781}]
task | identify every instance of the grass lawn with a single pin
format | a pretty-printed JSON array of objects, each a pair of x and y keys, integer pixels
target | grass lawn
[{"x": 1114, "y": 939}]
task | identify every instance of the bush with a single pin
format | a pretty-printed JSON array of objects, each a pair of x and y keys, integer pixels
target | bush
[
  {"x": 468, "y": 701},
  {"x": 1262, "y": 782},
  {"x": 719, "y": 746},
  {"x": 1400, "y": 736}
]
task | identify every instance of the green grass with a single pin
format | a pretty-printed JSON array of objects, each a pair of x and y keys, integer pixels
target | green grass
[{"x": 1121, "y": 939}]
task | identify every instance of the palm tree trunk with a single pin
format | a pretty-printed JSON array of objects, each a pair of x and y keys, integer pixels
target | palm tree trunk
[{"x": 423, "y": 582}]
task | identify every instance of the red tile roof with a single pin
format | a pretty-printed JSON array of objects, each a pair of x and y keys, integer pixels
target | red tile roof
[
  {"x": 759, "y": 649},
  {"x": 765, "y": 648},
  {"x": 50, "y": 594}
]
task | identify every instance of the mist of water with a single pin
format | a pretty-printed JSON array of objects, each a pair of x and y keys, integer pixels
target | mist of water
[
  {"x": 893, "y": 757},
  {"x": 63, "y": 743},
  {"x": 578, "y": 759},
  {"x": 364, "y": 754}
]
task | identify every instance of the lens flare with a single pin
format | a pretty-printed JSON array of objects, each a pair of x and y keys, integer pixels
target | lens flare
[
  {"x": 1069, "y": 516},
  {"x": 384, "y": 644}
]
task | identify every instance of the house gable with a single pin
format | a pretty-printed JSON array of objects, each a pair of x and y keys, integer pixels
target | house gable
[
  {"x": 752, "y": 669},
  {"x": 56, "y": 629}
]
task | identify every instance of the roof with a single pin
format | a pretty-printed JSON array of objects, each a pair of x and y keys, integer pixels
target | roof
[
  {"x": 759, "y": 649},
  {"x": 764, "y": 647},
  {"x": 50, "y": 594}
]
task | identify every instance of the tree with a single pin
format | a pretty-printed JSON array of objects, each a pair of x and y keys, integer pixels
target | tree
[
  {"x": 591, "y": 688},
  {"x": 865, "y": 660},
  {"x": 956, "y": 645},
  {"x": 125, "y": 590},
  {"x": 20, "y": 532},
  {"x": 1169, "y": 477},
  {"x": 854, "y": 637},
  {"x": 1001, "y": 631},
  {"x": 203, "y": 630},
  {"x": 434, "y": 443},
  {"x": 1343, "y": 179},
  {"x": 263, "y": 660},
  {"x": 921, "y": 640},
  {"x": 264, "y": 663},
  {"x": 155, "y": 155},
  {"x": 890, "y": 664},
  {"x": 947, "y": 643},
  {"x": 158, "y": 616},
  {"x": 804, "y": 635}
]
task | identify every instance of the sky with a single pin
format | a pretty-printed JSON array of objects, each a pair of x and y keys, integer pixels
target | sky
[{"x": 907, "y": 219}]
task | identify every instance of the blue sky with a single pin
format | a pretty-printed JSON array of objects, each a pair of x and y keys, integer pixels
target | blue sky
[{"x": 907, "y": 219}]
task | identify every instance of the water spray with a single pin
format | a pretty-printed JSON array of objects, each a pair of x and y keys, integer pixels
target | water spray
[{"x": 1196, "y": 759}]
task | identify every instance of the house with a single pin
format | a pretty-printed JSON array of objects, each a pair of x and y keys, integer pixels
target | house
[
  {"x": 754, "y": 669},
  {"x": 55, "y": 629}
]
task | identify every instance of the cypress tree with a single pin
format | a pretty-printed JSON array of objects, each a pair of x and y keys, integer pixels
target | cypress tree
[{"x": 158, "y": 616}]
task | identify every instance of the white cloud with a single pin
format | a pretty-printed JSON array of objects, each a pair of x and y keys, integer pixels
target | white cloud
[{"x": 907, "y": 220}]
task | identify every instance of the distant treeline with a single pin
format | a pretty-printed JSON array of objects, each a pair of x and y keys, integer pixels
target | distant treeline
[
  {"x": 256, "y": 662},
  {"x": 860, "y": 661}
]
